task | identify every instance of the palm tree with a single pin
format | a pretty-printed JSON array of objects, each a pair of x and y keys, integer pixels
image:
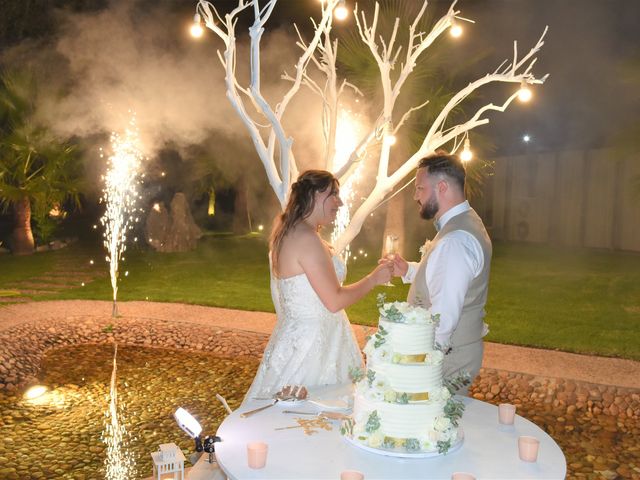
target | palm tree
[{"x": 37, "y": 170}]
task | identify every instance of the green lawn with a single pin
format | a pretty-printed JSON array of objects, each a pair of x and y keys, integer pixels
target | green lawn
[{"x": 575, "y": 300}]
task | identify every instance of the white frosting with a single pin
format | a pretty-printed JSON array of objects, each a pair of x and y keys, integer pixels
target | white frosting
[
  {"x": 401, "y": 364},
  {"x": 402, "y": 421},
  {"x": 409, "y": 377},
  {"x": 409, "y": 339}
]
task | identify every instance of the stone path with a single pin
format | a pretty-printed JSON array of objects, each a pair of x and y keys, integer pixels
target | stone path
[{"x": 531, "y": 361}]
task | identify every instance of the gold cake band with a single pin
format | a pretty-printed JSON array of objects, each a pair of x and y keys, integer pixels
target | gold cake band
[
  {"x": 419, "y": 358},
  {"x": 412, "y": 397}
]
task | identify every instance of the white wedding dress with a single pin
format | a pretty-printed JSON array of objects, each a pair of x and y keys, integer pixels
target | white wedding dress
[{"x": 309, "y": 345}]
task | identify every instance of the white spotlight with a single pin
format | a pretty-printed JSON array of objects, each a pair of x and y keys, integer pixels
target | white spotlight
[
  {"x": 187, "y": 423},
  {"x": 526, "y": 138}
]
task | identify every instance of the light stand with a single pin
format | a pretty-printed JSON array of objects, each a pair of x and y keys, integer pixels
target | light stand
[{"x": 192, "y": 427}]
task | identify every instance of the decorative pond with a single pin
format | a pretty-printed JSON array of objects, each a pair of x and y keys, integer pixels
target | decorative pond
[{"x": 60, "y": 434}]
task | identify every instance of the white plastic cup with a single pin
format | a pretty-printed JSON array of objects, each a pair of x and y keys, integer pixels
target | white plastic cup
[
  {"x": 462, "y": 476},
  {"x": 528, "y": 448},
  {"x": 351, "y": 475},
  {"x": 506, "y": 413},
  {"x": 257, "y": 454}
]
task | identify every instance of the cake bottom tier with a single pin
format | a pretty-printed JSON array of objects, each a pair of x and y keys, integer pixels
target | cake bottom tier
[{"x": 411, "y": 420}]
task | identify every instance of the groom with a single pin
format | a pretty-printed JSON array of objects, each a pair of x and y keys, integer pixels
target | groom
[{"x": 453, "y": 276}]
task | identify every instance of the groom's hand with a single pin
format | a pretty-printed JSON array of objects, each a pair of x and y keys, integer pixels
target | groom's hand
[{"x": 400, "y": 266}]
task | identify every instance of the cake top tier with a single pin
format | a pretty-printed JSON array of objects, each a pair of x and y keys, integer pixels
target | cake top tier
[{"x": 403, "y": 312}]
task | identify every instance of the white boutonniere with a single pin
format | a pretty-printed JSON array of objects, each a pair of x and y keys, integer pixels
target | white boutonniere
[{"x": 424, "y": 248}]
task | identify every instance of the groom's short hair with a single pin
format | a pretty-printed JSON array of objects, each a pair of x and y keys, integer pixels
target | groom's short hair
[{"x": 446, "y": 164}]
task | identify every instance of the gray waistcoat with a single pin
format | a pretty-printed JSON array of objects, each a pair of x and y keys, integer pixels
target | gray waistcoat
[{"x": 470, "y": 324}]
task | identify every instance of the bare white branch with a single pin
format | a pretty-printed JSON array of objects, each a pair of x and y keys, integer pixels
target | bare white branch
[{"x": 320, "y": 52}]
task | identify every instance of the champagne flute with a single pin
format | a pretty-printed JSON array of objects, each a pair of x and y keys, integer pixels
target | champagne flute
[{"x": 390, "y": 249}]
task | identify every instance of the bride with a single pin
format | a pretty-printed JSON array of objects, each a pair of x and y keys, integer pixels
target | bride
[{"x": 312, "y": 342}]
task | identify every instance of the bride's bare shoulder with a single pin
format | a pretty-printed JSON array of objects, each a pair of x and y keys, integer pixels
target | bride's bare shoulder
[{"x": 302, "y": 238}]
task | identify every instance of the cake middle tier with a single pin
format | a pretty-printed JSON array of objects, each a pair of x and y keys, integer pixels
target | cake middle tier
[{"x": 409, "y": 377}]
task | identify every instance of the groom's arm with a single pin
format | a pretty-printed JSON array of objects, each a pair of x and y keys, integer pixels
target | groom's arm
[
  {"x": 452, "y": 265},
  {"x": 403, "y": 269},
  {"x": 412, "y": 268}
]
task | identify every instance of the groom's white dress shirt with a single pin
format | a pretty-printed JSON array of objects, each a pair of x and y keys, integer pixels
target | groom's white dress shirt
[{"x": 455, "y": 261}]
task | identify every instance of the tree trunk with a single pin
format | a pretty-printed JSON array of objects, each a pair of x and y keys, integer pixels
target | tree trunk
[
  {"x": 22, "y": 238},
  {"x": 241, "y": 215}
]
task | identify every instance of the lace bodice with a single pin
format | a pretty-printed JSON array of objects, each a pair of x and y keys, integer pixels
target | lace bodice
[
  {"x": 309, "y": 345},
  {"x": 295, "y": 294}
]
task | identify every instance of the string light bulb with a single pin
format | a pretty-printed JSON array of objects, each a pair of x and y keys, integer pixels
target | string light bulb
[
  {"x": 466, "y": 154},
  {"x": 455, "y": 30},
  {"x": 525, "y": 93},
  {"x": 341, "y": 11},
  {"x": 196, "y": 29}
]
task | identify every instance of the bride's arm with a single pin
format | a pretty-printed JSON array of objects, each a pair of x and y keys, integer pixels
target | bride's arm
[{"x": 318, "y": 267}]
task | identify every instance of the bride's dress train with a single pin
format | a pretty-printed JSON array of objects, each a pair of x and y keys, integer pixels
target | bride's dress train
[{"x": 309, "y": 345}]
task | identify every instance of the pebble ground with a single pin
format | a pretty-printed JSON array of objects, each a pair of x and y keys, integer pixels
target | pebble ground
[{"x": 187, "y": 360}]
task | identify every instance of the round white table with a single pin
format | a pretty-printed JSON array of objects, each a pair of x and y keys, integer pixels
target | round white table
[{"x": 489, "y": 451}]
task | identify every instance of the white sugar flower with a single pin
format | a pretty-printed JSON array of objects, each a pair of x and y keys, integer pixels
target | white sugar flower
[
  {"x": 403, "y": 307},
  {"x": 374, "y": 394},
  {"x": 445, "y": 394},
  {"x": 382, "y": 353},
  {"x": 390, "y": 396},
  {"x": 425, "y": 443},
  {"x": 375, "y": 439},
  {"x": 442, "y": 424}
]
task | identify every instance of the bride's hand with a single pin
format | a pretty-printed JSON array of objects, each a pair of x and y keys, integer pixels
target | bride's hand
[{"x": 382, "y": 273}]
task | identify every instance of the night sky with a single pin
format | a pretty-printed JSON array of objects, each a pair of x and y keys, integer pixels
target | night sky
[{"x": 591, "y": 52}]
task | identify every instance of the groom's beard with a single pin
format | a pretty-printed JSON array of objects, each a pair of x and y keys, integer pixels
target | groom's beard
[{"x": 430, "y": 208}]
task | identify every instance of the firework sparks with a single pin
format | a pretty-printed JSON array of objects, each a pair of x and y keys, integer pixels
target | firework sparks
[
  {"x": 348, "y": 132},
  {"x": 120, "y": 193},
  {"x": 119, "y": 464}
]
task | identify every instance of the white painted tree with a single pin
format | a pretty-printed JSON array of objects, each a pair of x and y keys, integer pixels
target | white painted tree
[{"x": 264, "y": 121}]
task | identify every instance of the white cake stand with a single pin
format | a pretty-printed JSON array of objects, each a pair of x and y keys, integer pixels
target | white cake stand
[{"x": 400, "y": 453}]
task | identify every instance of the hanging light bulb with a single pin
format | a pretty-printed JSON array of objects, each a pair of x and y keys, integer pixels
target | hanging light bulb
[
  {"x": 466, "y": 154},
  {"x": 455, "y": 29},
  {"x": 341, "y": 11},
  {"x": 196, "y": 29},
  {"x": 525, "y": 93}
]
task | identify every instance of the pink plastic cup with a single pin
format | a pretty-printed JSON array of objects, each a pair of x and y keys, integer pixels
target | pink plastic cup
[
  {"x": 257, "y": 454},
  {"x": 528, "y": 448},
  {"x": 351, "y": 475},
  {"x": 462, "y": 476},
  {"x": 506, "y": 413}
]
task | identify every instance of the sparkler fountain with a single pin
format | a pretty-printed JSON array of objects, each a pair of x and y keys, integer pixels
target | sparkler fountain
[
  {"x": 348, "y": 132},
  {"x": 120, "y": 194}
]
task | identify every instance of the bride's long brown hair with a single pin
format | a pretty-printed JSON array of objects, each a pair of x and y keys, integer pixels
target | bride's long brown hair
[{"x": 300, "y": 205}]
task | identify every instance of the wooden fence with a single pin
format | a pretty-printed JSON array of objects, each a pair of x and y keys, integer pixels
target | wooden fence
[{"x": 574, "y": 198}]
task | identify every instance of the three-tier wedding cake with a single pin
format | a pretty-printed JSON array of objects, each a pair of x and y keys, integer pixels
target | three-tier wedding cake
[{"x": 401, "y": 403}]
